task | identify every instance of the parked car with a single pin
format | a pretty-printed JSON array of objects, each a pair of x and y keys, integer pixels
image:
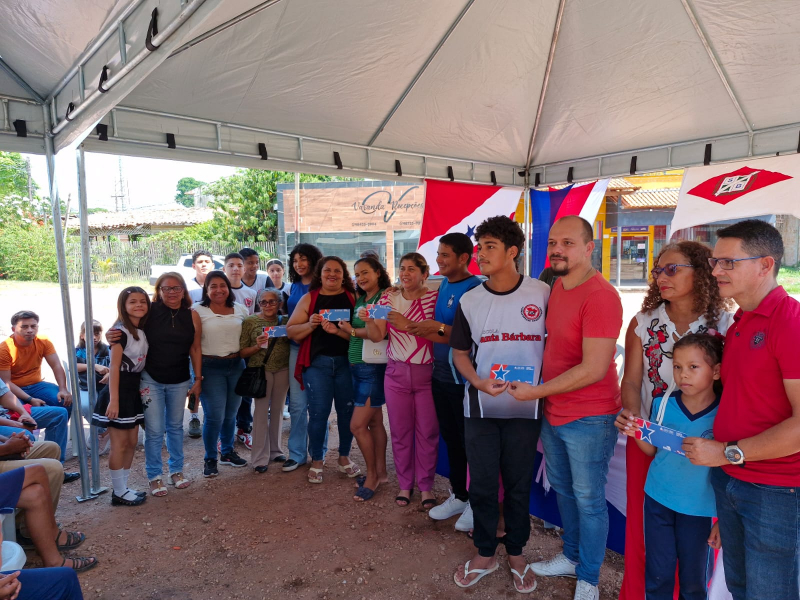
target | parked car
[{"x": 182, "y": 266}]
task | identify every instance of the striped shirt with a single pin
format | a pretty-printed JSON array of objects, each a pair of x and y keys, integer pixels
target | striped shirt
[{"x": 404, "y": 347}]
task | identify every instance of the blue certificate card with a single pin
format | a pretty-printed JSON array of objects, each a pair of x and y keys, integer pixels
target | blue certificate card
[
  {"x": 378, "y": 311},
  {"x": 335, "y": 314},
  {"x": 660, "y": 436},
  {"x": 274, "y": 332},
  {"x": 514, "y": 373}
]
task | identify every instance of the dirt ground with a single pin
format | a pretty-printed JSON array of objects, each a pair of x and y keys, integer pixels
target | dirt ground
[{"x": 250, "y": 536}]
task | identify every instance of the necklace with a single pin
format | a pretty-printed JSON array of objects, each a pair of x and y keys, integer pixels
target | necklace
[{"x": 173, "y": 314}]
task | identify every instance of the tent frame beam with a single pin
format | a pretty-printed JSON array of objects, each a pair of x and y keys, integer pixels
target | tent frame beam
[
  {"x": 421, "y": 72},
  {"x": 20, "y": 81},
  {"x": 717, "y": 65},
  {"x": 545, "y": 81}
]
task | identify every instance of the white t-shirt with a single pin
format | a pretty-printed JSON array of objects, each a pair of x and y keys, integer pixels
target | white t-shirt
[
  {"x": 262, "y": 281},
  {"x": 501, "y": 328},
  {"x": 221, "y": 333},
  {"x": 195, "y": 290},
  {"x": 658, "y": 335},
  {"x": 246, "y": 297}
]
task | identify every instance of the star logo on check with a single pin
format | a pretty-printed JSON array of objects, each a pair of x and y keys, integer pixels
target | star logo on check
[
  {"x": 500, "y": 372},
  {"x": 646, "y": 432},
  {"x": 371, "y": 312}
]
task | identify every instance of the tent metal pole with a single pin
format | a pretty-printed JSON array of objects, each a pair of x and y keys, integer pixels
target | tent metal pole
[
  {"x": 527, "y": 229},
  {"x": 20, "y": 81},
  {"x": 88, "y": 318},
  {"x": 77, "y": 417},
  {"x": 421, "y": 71},
  {"x": 717, "y": 66},
  {"x": 545, "y": 80}
]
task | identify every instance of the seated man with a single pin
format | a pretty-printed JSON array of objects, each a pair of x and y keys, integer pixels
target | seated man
[
  {"x": 21, "y": 357},
  {"x": 53, "y": 419},
  {"x": 26, "y": 488}
]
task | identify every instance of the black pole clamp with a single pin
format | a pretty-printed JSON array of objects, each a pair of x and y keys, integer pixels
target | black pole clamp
[
  {"x": 152, "y": 30},
  {"x": 103, "y": 79}
]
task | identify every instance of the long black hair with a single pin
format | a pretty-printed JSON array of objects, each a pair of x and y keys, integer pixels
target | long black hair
[
  {"x": 212, "y": 275},
  {"x": 384, "y": 281},
  {"x": 316, "y": 281},
  {"x": 311, "y": 252}
]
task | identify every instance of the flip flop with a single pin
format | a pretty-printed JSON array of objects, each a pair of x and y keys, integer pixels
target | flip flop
[
  {"x": 364, "y": 493},
  {"x": 355, "y": 471},
  {"x": 481, "y": 574},
  {"x": 515, "y": 573},
  {"x": 312, "y": 475}
]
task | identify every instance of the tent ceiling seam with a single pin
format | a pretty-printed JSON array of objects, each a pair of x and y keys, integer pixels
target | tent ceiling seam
[
  {"x": 419, "y": 74},
  {"x": 222, "y": 27},
  {"x": 545, "y": 81},
  {"x": 717, "y": 65},
  {"x": 20, "y": 81}
]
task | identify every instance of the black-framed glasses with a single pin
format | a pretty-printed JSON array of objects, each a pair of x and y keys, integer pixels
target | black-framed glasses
[
  {"x": 166, "y": 289},
  {"x": 668, "y": 270},
  {"x": 727, "y": 264},
  {"x": 269, "y": 302}
]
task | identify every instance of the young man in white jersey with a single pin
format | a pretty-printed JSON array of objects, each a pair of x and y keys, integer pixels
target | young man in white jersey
[
  {"x": 499, "y": 324},
  {"x": 251, "y": 277},
  {"x": 203, "y": 264}
]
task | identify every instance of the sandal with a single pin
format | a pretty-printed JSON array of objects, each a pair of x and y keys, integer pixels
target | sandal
[
  {"x": 74, "y": 539},
  {"x": 515, "y": 573},
  {"x": 363, "y": 494},
  {"x": 406, "y": 500},
  {"x": 429, "y": 503},
  {"x": 179, "y": 481},
  {"x": 159, "y": 489},
  {"x": 80, "y": 564},
  {"x": 314, "y": 475},
  {"x": 481, "y": 574},
  {"x": 360, "y": 480},
  {"x": 354, "y": 471}
]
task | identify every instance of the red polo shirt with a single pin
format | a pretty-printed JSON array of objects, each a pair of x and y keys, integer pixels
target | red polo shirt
[{"x": 761, "y": 350}]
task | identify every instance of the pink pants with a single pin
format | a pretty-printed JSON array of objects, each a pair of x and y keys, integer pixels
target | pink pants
[{"x": 413, "y": 423}]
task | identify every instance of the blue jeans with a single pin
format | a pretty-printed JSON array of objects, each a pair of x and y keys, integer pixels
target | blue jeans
[
  {"x": 48, "y": 392},
  {"x": 298, "y": 411},
  {"x": 328, "y": 382},
  {"x": 244, "y": 416},
  {"x": 577, "y": 456},
  {"x": 54, "y": 583},
  {"x": 163, "y": 413},
  {"x": 674, "y": 539},
  {"x": 759, "y": 526},
  {"x": 54, "y": 421},
  {"x": 220, "y": 403}
]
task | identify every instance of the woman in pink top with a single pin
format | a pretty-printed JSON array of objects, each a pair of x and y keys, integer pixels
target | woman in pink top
[{"x": 409, "y": 401}]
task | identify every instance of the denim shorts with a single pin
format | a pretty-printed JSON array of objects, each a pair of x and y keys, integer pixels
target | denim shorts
[{"x": 368, "y": 384}]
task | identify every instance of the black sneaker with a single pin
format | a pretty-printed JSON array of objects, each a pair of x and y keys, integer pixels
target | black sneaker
[
  {"x": 210, "y": 468},
  {"x": 232, "y": 459},
  {"x": 122, "y": 501},
  {"x": 290, "y": 465}
]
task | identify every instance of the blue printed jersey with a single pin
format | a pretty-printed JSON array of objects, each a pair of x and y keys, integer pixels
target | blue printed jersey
[
  {"x": 298, "y": 290},
  {"x": 672, "y": 479},
  {"x": 445, "y": 312}
]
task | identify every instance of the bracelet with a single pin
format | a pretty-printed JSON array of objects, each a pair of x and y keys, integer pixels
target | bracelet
[{"x": 353, "y": 332}]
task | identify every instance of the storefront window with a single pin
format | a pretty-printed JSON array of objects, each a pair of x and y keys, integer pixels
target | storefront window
[
  {"x": 405, "y": 241},
  {"x": 347, "y": 245}
]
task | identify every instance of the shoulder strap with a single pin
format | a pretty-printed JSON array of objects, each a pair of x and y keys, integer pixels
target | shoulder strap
[{"x": 662, "y": 408}]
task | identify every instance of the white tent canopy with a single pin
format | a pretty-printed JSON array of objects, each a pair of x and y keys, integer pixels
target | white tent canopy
[{"x": 450, "y": 83}]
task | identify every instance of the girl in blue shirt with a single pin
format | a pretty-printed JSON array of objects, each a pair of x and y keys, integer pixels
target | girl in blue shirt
[{"x": 679, "y": 500}]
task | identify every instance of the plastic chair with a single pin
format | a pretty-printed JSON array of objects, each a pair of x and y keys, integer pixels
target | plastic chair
[
  {"x": 619, "y": 358},
  {"x": 12, "y": 556}
]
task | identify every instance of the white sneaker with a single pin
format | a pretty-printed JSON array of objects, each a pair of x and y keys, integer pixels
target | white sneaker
[
  {"x": 449, "y": 508},
  {"x": 586, "y": 591},
  {"x": 465, "y": 522},
  {"x": 558, "y": 566},
  {"x": 286, "y": 414}
]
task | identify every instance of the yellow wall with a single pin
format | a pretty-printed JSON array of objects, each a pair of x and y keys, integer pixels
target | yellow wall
[{"x": 608, "y": 235}]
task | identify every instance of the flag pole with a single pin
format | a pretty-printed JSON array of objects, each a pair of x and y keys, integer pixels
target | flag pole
[{"x": 526, "y": 211}]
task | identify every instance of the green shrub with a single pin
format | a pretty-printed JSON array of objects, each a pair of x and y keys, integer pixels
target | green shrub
[{"x": 28, "y": 254}]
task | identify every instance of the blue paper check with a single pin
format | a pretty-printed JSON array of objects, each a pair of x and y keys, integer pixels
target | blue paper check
[
  {"x": 660, "y": 436},
  {"x": 514, "y": 373},
  {"x": 378, "y": 311},
  {"x": 335, "y": 314},
  {"x": 274, "y": 332}
]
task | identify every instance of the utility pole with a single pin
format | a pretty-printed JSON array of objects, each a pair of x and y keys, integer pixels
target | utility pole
[{"x": 30, "y": 184}]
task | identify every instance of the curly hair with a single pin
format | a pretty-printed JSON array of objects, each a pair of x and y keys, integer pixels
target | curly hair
[
  {"x": 312, "y": 254},
  {"x": 316, "y": 280},
  {"x": 505, "y": 230},
  {"x": 384, "y": 281},
  {"x": 707, "y": 300}
]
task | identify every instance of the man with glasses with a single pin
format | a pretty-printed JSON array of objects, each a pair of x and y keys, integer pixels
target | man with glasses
[{"x": 756, "y": 440}]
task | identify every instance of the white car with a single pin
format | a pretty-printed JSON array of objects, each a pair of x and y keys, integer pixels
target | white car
[{"x": 184, "y": 267}]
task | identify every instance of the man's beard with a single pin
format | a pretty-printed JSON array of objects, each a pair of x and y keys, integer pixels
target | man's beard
[{"x": 561, "y": 268}]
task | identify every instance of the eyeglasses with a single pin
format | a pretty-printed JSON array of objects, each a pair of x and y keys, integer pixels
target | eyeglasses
[
  {"x": 174, "y": 289},
  {"x": 668, "y": 270},
  {"x": 269, "y": 303},
  {"x": 726, "y": 264}
]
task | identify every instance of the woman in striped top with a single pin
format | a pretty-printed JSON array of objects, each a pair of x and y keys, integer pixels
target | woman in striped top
[{"x": 409, "y": 401}]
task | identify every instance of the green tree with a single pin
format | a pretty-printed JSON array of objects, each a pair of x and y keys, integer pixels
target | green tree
[
  {"x": 13, "y": 175},
  {"x": 243, "y": 204},
  {"x": 187, "y": 184}
]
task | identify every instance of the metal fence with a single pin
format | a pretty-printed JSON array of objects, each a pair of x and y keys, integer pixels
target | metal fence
[{"x": 115, "y": 260}]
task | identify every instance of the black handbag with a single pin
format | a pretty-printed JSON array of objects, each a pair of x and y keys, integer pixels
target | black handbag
[{"x": 253, "y": 382}]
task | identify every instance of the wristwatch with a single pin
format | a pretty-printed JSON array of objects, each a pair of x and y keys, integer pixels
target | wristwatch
[
  {"x": 440, "y": 331},
  {"x": 734, "y": 454},
  {"x": 353, "y": 332}
]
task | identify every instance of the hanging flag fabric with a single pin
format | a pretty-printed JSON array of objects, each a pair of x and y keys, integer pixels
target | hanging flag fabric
[
  {"x": 547, "y": 206},
  {"x": 461, "y": 207},
  {"x": 751, "y": 188}
]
